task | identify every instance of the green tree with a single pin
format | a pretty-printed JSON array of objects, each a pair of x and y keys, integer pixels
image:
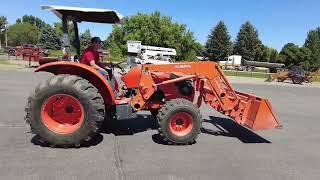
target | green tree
[
  {"x": 32, "y": 20},
  {"x": 59, "y": 30},
  {"x": 115, "y": 42},
  {"x": 49, "y": 38},
  {"x": 313, "y": 39},
  {"x": 313, "y": 43},
  {"x": 288, "y": 54},
  {"x": 262, "y": 54},
  {"x": 85, "y": 39},
  {"x": 305, "y": 58},
  {"x": 3, "y": 22},
  {"x": 219, "y": 44},
  {"x": 293, "y": 55},
  {"x": 153, "y": 30},
  {"x": 273, "y": 56},
  {"x": 23, "y": 33},
  {"x": 247, "y": 43},
  {"x": 266, "y": 54}
]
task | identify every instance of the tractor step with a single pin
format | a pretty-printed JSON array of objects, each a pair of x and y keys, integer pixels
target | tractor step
[{"x": 124, "y": 111}]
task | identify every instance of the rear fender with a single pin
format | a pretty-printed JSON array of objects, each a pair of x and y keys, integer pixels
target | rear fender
[{"x": 84, "y": 71}]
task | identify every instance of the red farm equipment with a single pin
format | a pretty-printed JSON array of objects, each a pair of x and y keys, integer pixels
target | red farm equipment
[
  {"x": 28, "y": 52},
  {"x": 69, "y": 108}
]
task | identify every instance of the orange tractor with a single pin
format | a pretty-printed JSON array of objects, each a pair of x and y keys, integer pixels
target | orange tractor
[
  {"x": 297, "y": 74},
  {"x": 69, "y": 108}
]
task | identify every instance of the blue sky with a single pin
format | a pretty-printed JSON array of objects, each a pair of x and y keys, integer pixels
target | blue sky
[{"x": 278, "y": 22}]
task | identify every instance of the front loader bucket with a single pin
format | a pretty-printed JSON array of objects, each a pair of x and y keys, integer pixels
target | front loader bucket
[{"x": 258, "y": 113}]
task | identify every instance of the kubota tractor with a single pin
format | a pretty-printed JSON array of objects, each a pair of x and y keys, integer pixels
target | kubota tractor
[{"x": 69, "y": 108}]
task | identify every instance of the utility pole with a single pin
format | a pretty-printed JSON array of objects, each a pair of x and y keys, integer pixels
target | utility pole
[
  {"x": 0, "y": 38},
  {"x": 6, "y": 36}
]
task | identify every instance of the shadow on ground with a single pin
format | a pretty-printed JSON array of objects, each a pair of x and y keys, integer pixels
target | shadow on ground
[
  {"x": 229, "y": 128},
  {"x": 226, "y": 127},
  {"x": 131, "y": 126},
  {"x": 97, "y": 139},
  {"x": 117, "y": 127}
]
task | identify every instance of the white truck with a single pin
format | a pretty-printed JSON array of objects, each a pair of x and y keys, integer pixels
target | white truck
[
  {"x": 236, "y": 62},
  {"x": 141, "y": 54},
  {"x": 233, "y": 62}
]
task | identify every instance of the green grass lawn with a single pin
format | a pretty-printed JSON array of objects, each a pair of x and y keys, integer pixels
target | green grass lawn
[
  {"x": 257, "y": 75},
  {"x": 245, "y": 74},
  {"x": 57, "y": 53},
  {"x": 261, "y": 70},
  {"x": 5, "y": 62},
  {"x": 316, "y": 78}
]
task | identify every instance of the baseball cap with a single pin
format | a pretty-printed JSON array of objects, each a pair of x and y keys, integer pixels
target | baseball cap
[{"x": 96, "y": 39}]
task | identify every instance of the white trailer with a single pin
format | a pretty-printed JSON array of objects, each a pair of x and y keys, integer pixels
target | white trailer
[
  {"x": 236, "y": 62},
  {"x": 141, "y": 54},
  {"x": 233, "y": 61}
]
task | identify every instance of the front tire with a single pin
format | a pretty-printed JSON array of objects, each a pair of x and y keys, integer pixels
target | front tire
[
  {"x": 65, "y": 111},
  {"x": 179, "y": 122},
  {"x": 11, "y": 53},
  {"x": 297, "y": 80}
]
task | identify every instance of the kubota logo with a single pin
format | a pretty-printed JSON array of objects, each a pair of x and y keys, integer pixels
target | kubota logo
[{"x": 183, "y": 66}]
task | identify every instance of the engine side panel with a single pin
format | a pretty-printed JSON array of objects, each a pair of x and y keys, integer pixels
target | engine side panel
[
  {"x": 132, "y": 78},
  {"x": 173, "y": 90}
]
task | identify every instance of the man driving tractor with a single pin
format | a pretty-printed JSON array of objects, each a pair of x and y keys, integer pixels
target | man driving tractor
[{"x": 91, "y": 58}]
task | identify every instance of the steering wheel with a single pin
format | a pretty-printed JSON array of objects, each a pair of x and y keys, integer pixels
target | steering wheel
[{"x": 117, "y": 65}]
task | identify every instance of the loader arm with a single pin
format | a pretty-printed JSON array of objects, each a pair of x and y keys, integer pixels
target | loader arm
[{"x": 214, "y": 89}]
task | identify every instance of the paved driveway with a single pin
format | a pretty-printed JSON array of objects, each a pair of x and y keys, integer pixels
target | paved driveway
[{"x": 133, "y": 151}]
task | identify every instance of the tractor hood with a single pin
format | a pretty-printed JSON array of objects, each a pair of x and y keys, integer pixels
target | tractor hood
[{"x": 86, "y": 14}]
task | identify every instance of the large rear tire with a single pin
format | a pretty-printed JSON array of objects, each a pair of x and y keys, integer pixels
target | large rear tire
[
  {"x": 297, "y": 80},
  {"x": 11, "y": 53},
  {"x": 179, "y": 122},
  {"x": 65, "y": 111}
]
